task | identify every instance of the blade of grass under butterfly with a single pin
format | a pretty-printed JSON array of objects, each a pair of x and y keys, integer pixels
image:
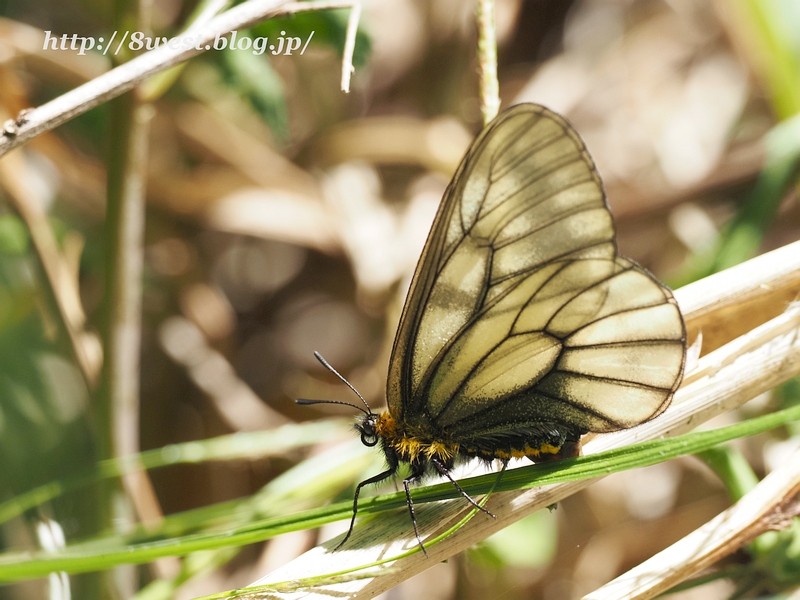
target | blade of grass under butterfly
[
  {"x": 106, "y": 553},
  {"x": 355, "y": 572}
]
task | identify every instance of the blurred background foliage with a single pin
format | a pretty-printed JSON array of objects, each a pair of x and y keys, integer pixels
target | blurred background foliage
[{"x": 284, "y": 216}]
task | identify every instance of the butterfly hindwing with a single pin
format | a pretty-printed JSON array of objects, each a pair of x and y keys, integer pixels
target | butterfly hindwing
[{"x": 520, "y": 312}]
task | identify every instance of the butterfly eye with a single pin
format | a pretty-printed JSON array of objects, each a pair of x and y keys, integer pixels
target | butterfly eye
[{"x": 369, "y": 439}]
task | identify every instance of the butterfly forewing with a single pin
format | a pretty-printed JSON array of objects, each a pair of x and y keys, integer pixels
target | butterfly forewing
[{"x": 520, "y": 311}]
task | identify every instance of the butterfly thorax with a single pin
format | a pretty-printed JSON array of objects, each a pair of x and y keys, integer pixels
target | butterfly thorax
[{"x": 411, "y": 444}]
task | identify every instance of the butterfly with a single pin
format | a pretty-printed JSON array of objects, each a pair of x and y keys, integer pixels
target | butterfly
[{"x": 523, "y": 328}]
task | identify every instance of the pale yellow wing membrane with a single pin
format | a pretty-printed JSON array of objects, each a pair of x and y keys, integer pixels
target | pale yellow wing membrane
[
  {"x": 520, "y": 302},
  {"x": 596, "y": 335}
]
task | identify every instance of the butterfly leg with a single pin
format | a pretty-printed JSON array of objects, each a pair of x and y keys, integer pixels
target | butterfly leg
[
  {"x": 417, "y": 471},
  {"x": 375, "y": 479},
  {"x": 443, "y": 471}
]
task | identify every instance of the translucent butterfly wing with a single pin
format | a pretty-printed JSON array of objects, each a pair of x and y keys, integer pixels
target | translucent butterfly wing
[{"x": 520, "y": 311}]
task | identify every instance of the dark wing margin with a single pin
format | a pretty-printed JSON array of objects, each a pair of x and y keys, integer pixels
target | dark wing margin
[{"x": 520, "y": 303}]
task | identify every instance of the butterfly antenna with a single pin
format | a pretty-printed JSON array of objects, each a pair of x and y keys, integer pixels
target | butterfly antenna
[
  {"x": 327, "y": 365},
  {"x": 306, "y": 402}
]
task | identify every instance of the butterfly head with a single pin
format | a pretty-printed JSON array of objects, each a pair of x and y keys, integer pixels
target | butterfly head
[{"x": 368, "y": 425}]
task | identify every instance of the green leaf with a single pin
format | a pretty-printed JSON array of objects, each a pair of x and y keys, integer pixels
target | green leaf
[{"x": 256, "y": 80}]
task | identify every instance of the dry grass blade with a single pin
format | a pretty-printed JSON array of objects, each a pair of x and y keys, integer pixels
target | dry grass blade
[
  {"x": 731, "y": 375},
  {"x": 724, "y": 534},
  {"x": 727, "y": 304}
]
